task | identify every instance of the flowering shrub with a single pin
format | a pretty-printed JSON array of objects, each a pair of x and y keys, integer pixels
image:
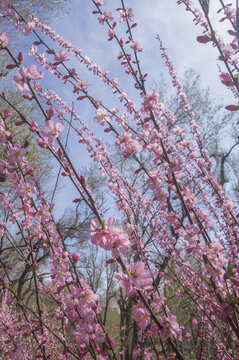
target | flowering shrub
[{"x": 176, "y": 250}]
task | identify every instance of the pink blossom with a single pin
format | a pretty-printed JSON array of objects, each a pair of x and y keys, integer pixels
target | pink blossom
[
  {"x": 110, "y": 237},
  {"x": 3, "y": 40},
  {"x": 33, "y": 50},
  {"x": 142, "y": 317},
  {"x": 106, "y": 16},
  {"x": 125, "y": 14},
  {"x": 102, "y": 116},
  {"x": 21, "y": 80},
  {"x": 61, "y": 56},
  {"x": 136, "y": 277},
  {"x": 194, "y": 322},
  {"x": 16, "y": 20},
  {"x": 140, "y": 275},
  {"x": 41, "y": 59},
  {"x": 29, "y": 28},
  {"x": 16, "y": 153},
  {"x": 52, "y": 129},
  {"x": 173, "y": 327},
  {"x": 111, "y": 34},
  {"x": 34, "y": 73},
  {"x": 31, "y": 73},
  {"x": 135, "y": 45}
]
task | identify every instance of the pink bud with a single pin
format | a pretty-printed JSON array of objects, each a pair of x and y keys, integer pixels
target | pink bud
[
  {"x": 75, "y": 257},
  {"x": 11, "y": 66},
  {"x": 9, "y": 301},
  {"x": 226, "y": 79},
  {"x": 204, "y": 39},
  {"x": 34, "y": 126},
  {"x": 19, "y": 123},
  {"x": 7, "y": 113},
  {"x": 68, "y": 170},
  {"x": 50, "y": 112},
  {"x": 60, "y": 153},
  {"x": 20, "y": 57},
  {"x": 111, "y": 261},
  {"x": 28, "y": 97},
  {"x": 77, "y": 200},
  {"x": 64, "y": 255},
  {"x": 29, "y": 171},
  {"x": 34, "y": 264},
  {"x": 41, "y": 143},
  {"x": 111, "y": 34},
  {"x": 82, "y": 180},
  {"x": 232, "y": 107}
]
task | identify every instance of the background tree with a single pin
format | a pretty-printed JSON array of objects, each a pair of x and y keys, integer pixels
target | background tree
[{"x": 217, "y": 126}]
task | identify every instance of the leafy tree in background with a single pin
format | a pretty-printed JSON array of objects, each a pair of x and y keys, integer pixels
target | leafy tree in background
[
  {"x": 47, "y": 10},
  {"x": 218, "y": 128}
]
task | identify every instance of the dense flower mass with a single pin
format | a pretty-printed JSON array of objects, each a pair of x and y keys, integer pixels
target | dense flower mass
[{"x": 167, "y": 283}]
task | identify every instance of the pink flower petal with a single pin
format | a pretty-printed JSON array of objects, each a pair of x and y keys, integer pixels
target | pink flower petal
[{"x": 60, "y": 126}]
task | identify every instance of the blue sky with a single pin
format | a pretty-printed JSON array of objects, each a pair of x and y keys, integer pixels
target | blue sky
[{"x": 164, "y": 17}]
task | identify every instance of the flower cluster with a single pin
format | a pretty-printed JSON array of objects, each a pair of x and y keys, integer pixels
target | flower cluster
[{"x": 109, "y": 237}]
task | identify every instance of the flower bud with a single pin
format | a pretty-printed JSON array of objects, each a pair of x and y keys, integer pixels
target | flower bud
[
  {"x": 28, "y": 97},
  {"x": 60, "y": 153},
  {"x": 82, "y": 180},
  {"x": 20, "y": 57},
  {"x": 75, "y": 257},
  {"x": 64, "y": 254},
  {"x": 50, "y": 112},
  {"x": 7, "y": 113}
]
